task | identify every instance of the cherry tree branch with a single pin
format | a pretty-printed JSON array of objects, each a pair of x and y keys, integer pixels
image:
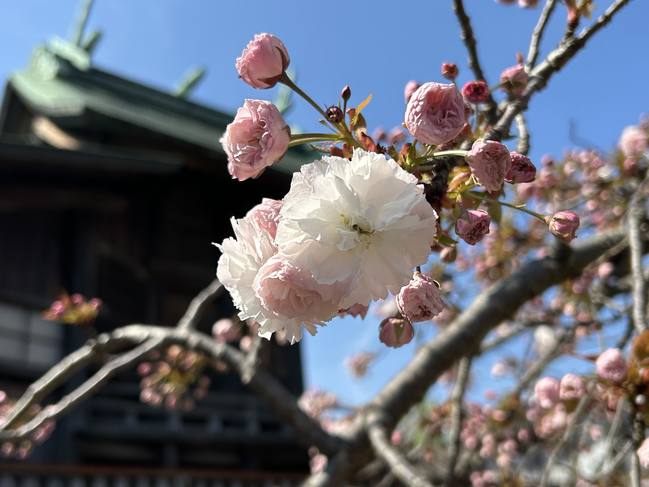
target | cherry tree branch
[
  {"x": 636, "y": 217},
  {"x": 383, "y": 449},
  {"x": 474, "y": 60},
  {"x": 523, "y": 146},
  {"x": 539, "y": 366},
  {"x": 85, "y": 390},
  {"x": 493, "y": 306},
  {"x": 553, "y": 63},
  {"x": 148, "y": 338},
  {"x": 58, "y": 374},
  {"x": 457, "y": 398},
  {"x": 537, "y": 34},
  {"x": 199, "y": 304},
  {"x": 571, "y": 429}
]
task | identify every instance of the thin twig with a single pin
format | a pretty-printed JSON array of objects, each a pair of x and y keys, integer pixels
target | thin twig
[
  {"x": 399, "y": 465},
  {"x": 636, "y": 217},
  {"x": 198, "y": 305},
  {"x": 523, "y": 135},
  {"x": 457, "y": 398},
  {"x": 567, "y": 436},
  {"x": 85, "y": 390},
  {"x": 149, "y": 337},
  {"x": 539, "y": 366},
  {"x": 541, "y": 74},
  {"x": 634, "y": 470},
  {"x": 474, "y": 60},
  {"x": 57, "y": 375},
  {"x": 537, "y": 34}
]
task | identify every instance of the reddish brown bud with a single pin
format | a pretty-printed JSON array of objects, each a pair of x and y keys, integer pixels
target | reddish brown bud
[
  {"x": 346, "y": 93},
  {"x": 450, "y": 71},
  {"x": 475, "y": 92},
  {"x": 335, "y": 114}
]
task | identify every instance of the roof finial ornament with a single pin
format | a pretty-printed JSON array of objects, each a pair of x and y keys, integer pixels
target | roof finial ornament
[
  {"x": 189, "y": 82},
  {"x": 82, "y": 21}
]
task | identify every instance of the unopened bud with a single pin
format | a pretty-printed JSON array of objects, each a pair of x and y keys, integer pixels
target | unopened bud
[
  {"x": 334, "y": 114},
  {"x": 346, "y": 93},
  {"x": 395, "y": 332},
  {"x": 564, "y": 225},
  {"x": 450, "y": 71}
]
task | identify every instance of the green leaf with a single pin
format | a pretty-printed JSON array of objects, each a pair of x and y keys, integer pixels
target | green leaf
[
  {"x": 360, "y": 107},
  {"x": 446, "y": 240}
]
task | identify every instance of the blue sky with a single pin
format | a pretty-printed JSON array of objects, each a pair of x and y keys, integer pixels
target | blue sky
[{"x": 375, "y": 47}]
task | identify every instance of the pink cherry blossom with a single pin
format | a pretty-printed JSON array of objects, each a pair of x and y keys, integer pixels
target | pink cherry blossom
[
  {"x": 421, "y": 299},
  {"x": 473, "y": 226},
  {"x": 611, "y": 365},
  {"x": 436, "y": 113},
  {"x": 522, "y": 170},
  {"x": 490, "y": 162},
  {"x": 514, "y": 80},
  {"x": 263, "y": 61},
  {"x": 634, "y": 141},
  {"x": 571, "y": 387},
  {"x": 290, "y": 292},
  {"x": 546, "y": 391},
  {"x": 256, "y": 139}
]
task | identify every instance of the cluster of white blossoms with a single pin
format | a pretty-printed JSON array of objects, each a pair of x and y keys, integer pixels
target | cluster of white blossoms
[{"x": 348, "y": 232}]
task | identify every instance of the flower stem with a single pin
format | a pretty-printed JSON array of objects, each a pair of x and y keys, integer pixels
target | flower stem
[
  {"x": 289, "y": 82},
  {"x": 444, "y": 153},
  {"x": 479, "y": 196},
  {"x": 339, "y": 127},
  {"x": 427, "y": 157},
  {"x": 299, "y": 139}
]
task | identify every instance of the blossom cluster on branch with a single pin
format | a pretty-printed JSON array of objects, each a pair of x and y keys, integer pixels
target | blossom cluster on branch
[{"x": 357, "y": 224}]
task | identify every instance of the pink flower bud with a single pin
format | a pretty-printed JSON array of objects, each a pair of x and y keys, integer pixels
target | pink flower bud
[
  {"x": 514, "y": 80},
  {"x": 225, "y": 330},
  {"x": 522, "y": 169},
  {"x": 421, "y": 299},
  {"x": 489, "y": 161},
  {"x": 476, "y": 92},
  {"x": 396, "y": 438},
  {"x": 450, "y": 71},
  {"x": 634, "y": 141},
  {"x": 256, "y": 139},
  {"x": 395, "y": 332},
  {"x": 473, "y": 226},
  {"x": 527, "y": 3},
  {"x": 436, "y": 113},
  {"x": 564, "y": 225},
  {"x": 546, "y": 391},
  {"x": 611, "y": 365},
  {"x": 263, "y": 61},
  {"x": 571, "y": 387},
  {"x": 409, "y": 89},
  {"x": 643, "y": 454}
]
